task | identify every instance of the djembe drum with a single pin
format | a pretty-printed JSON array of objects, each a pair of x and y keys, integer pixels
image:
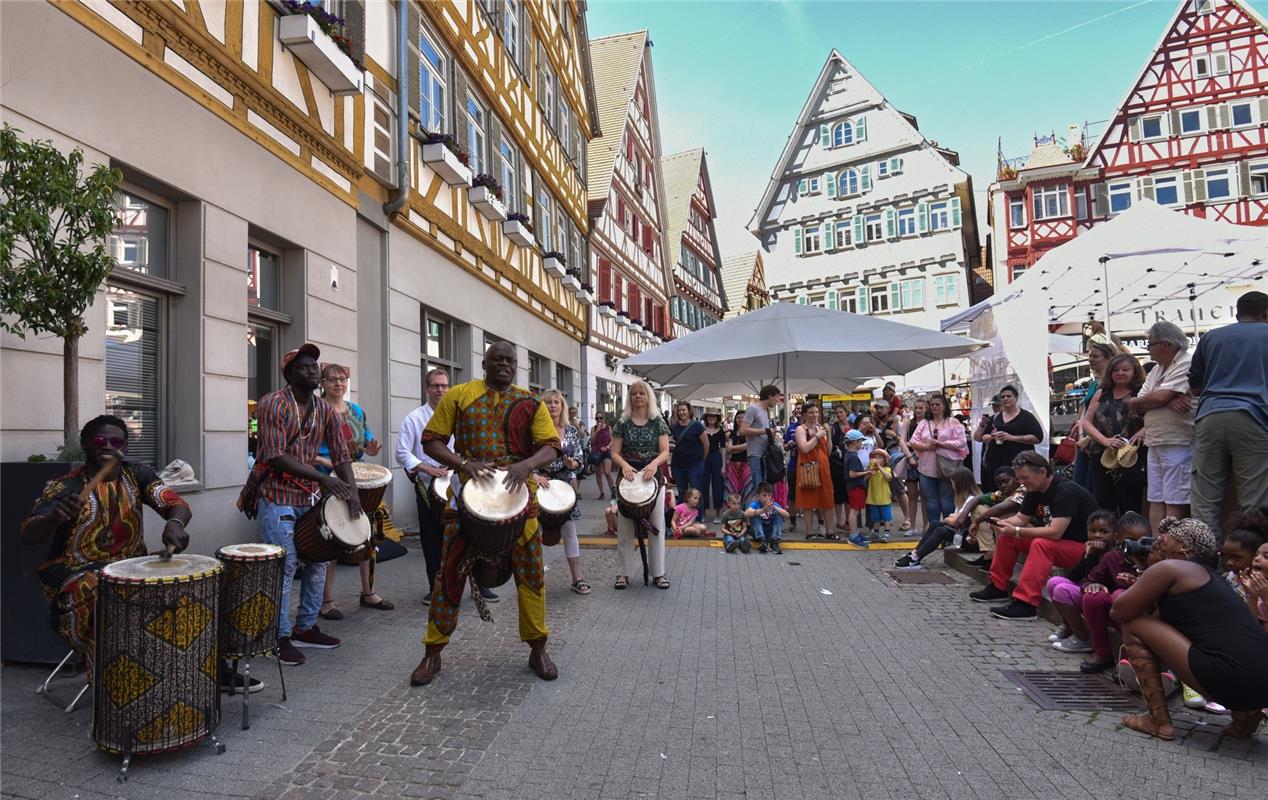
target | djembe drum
[
  {"x": 636, "y": 500},
  {"x": 157, "y": 664},
  {"x": 327, "y": 531},
  {"x": 250, "y": 600},
  {"x": 490, "y": 520},
  {"x": 556, "y": 502}
]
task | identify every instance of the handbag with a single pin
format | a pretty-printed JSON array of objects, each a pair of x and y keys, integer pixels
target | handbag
[
  {"x": 1066, "y": 451},
  {"x": 774, "y": 467},
  {"x": 808, "y": 475},
  {"x": 249, "y": 497}
]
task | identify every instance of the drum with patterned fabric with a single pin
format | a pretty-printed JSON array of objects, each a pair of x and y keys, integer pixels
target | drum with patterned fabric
[
  {"x": 250, "y": 594},
  {"x": 157, "y": 656}
]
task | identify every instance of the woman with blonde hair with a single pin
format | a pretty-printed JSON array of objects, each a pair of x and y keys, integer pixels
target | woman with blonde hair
[
  {"x": 565, "y": 469},
  {"x": 640, "y": 446}
]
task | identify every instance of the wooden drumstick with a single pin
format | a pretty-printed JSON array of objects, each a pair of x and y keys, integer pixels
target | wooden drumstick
[{"x": 91, "y": 486}]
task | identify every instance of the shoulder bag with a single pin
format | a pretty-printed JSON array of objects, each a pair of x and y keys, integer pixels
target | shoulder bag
[
  {"x": 774, "y": 467},
  {"x": 249, "y": 497}
]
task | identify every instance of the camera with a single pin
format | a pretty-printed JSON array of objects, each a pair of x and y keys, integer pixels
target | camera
[{"x": 1138, "y": 548}]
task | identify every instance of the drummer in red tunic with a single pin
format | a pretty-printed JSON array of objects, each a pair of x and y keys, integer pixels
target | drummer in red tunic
[
  {"x": 107, "y": 527},
  {"x": 495, "y": 425}
]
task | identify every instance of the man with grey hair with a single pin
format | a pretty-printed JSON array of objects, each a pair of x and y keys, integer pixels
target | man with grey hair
[{"x": 1164, "y": 402}]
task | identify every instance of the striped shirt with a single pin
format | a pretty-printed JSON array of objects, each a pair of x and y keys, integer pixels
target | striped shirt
[{"x": 280, "y": 417}]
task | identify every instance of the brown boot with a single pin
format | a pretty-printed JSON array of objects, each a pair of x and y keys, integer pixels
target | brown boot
[
  {"x": 539, "y": 662},
  {"x": 1244, "y": 724},
  {"x": 428, "y": 667},
  {"x": 1158, "y": 721}
]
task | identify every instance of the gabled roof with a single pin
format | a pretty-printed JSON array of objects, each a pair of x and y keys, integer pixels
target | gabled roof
[
  {"x": 681, "y": 173},
  {"x": 615, "y": 62},
  {"x": 1244, "y": 7},
  {"x": 1047, "y": 155},
  {"x": 738, "y": 272}
]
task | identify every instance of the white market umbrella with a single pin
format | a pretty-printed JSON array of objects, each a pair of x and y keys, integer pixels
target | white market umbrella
[
  {"x": 706, "y": 391},
  {"x": 789, "y": 341}
]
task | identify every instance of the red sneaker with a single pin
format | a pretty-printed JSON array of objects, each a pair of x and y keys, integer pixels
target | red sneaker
[
  {"x": 287, "y": 654},
  {"x": 313, "y": 637}
]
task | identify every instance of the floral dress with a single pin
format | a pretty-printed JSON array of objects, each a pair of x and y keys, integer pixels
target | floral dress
[{"x": 572, "y": 448}]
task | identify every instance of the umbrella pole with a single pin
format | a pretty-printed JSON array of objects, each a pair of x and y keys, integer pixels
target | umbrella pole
[{"x": 1105, "y": 276}]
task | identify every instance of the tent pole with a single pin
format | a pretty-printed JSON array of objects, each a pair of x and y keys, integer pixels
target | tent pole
[
  {"x": 1105, "y": 275},
  {"x": 1193, "y": 310},
  {"x": 783, "y": 373}
]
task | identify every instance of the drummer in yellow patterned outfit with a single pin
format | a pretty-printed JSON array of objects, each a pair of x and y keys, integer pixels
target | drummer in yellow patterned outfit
[{"x": 495, "y": 425}]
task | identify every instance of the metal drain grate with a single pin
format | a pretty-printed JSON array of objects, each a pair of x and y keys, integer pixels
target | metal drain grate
[
  {"x": 1073, "y": 691},
  {"x": 922, "y": 577}
]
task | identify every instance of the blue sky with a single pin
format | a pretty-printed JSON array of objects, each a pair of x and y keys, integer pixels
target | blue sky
[{"x": 732, "y": 76}]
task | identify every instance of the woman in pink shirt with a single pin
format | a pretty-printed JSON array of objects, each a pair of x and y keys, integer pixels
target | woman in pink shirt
[{"x": 939, "y": 437}]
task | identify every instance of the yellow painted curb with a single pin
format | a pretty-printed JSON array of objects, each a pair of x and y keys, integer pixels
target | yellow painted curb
[{"x": 610, "y": 542}]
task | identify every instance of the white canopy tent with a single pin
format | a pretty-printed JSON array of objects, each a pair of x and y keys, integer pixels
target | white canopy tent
[{"x": 800, "y": 348}]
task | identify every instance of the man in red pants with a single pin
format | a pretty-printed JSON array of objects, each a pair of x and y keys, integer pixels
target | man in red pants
[{"x": 1065, "y": 506}]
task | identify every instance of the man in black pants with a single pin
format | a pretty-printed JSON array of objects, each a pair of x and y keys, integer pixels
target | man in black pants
[{"x": 422, "y": 469}]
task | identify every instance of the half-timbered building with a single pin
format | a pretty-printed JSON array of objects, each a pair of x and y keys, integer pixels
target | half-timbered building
[
  {"x": 627, "y": 217},
  {"x": 744, "y": 283},
  {"x": 866, "y": 215},
  {"x": 697, "y": 300},
  {"x": 396, "y": 188}
]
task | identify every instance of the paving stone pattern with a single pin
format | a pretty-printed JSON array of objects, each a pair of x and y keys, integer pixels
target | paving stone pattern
[{"x": 808, "y": 675}]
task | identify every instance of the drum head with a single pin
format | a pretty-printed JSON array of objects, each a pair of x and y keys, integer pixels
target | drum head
[
  {"x": 637, "y": 491},
  {"x": 441, "y": 488},
  {"x": 154, "y": 568},
  {"x": 556, "y": 498},
  {"x": 250, "y": 550},
  {"x": 488, "y": 499},
  {"x": 370, "y": 476},
  {"x": 351, "y": 532}
]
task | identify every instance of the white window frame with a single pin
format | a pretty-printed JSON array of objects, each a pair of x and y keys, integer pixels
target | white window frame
[
  {"x": 1016, "y": 213},
  {"x": 842, "y": 234},
  {"x": 811, "y": 235},
  {"x": 1119, "y": 189},
  {"x": 1230, "y": 177},
  {"x": 432, "y": 76},
  {"x": 1200, "y": 111},
  {"x": 507, "y": 159},
  {"x": 906, "y": 222},
  {"x": 1258, "y": 169},
  {"x": 477, "y": 136},
  {"x": 1251, "y": 105},
  {"x": 815, "y": 184},
  {"x": 1170, "y": 180},
  {"x": 1080, "y": 203},
  {"x": 1042, "y": 199},
  {"x": 911, "y": 294},
  {"x": 939, "y": 216},
  {"x": 1162, "y": 127},
  {"x": 544, "y": 223},
  {"x": 843, "y": 181},
  {"x": 843, "y": 134},
  {"x": 511, "y": 29},
  {"x": 877, "y": 220},
  {"x": 878, "y": 298},
  {"x": 882, "y": 168}
]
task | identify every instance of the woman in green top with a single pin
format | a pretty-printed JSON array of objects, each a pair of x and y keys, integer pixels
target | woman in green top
[
  {"x": 1100, "y": 350},
  {"x": 640, "y": 445}
]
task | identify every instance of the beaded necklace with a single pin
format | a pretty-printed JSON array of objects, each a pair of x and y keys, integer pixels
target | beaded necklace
[{"x": 306, "y": 424}]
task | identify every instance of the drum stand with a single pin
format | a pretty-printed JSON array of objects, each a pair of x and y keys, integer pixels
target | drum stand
[
  {"x": 45, "y": 688},
  {"x": 246, "y": 683},
  {"x": 216, "y": 745}
]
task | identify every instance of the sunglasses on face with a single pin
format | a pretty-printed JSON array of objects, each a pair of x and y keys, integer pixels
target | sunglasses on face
[{"x": 114, "y": 441}]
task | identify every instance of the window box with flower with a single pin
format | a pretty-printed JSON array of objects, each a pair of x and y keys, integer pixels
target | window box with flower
[
  {"x": 571, "y": 280},
  {"x": 635, "y": 325},
  {"x": 585, "y": 294},
  {"x": 317, "y": 38},
  {"x": 555, "y": 264},
  {"x": 607, "y": 309},
  {"x": 447, "y": 159},
  {"x": 518, "y": 229},
  {"x": 486, "y": 196},
  {"x": 623, "y": 319}
]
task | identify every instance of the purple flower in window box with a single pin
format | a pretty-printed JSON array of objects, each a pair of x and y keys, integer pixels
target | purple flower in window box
[
  {"x": 489, "y": 182},
  {"x": 450, "y": 143}
]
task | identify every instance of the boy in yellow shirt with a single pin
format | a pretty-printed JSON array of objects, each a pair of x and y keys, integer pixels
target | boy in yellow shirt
[{"x": 879, "y": 499}]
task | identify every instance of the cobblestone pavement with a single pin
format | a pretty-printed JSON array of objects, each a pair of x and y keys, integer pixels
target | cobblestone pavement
[{"x": 808, "y": 675}]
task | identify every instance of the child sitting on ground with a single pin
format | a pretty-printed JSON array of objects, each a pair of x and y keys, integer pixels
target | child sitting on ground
[
  {"x": 766, "y": 518},
  {"x": 879, "y": 499},
  {"x": 685, "y": 515},
  {"x": 1113, "y": 574},
  {"x": 735, "y": 526},
  {"x": 1066, "y": 592}
]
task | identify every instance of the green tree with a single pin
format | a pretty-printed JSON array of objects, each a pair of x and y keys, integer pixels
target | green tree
[{"x": 55, "y": 218}]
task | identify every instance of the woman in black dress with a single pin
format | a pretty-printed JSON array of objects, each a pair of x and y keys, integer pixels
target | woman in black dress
[
  {"x": 713, "y": 499},
  {"x": 1203, "y": 631},
  {"x": 1014, "y": 430},
  {"x": 1112, "y": 426},
  {"x": 836, "y": 463}
]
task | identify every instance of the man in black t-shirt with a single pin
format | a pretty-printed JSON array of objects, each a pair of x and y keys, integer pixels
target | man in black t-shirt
[{"x": 1060, "y": 541}]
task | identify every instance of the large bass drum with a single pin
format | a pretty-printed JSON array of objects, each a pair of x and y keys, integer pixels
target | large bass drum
[
  {"x": 636, "y": 499},
  {"x": 157, "y": 657},
  {"x": 250, "y": 597},
  {"x": 328, "y": 531},
  {"x": 555, "y": 503}
]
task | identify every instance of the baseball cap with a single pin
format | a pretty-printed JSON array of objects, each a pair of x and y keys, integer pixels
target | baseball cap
[
  {"x": 308, "y": 348},
  {"x": 854, "y": 436},
  {"x": 995, "y": 401}
]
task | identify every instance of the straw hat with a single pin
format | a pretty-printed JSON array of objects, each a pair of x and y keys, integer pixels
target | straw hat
[
  {"x": 1127, "y": 456},
  {"x": 1109, "y": 458}
]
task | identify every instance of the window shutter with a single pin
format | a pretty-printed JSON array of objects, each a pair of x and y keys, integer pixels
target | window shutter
[
  {"x": 605, "y": 280},
  {"x": 1145, "y": 187},
  {"x": 957, "y": 218},
  {"x": 460, "y": 110},
  {"x": 1212, "y": 118},
  {"x": 832, "y": 299},
  {"x": 1133, "y": 129},
  {"x": 1198, "y": 195},
  {"x": 1263, "y": 110},
  {"x": 1173, "y": 121},
  {"x": 1224, "y": 116},
  {"x": 354, "y": 27},
  {"x": 1220, "y": 63},
  {"x": 1243, "y": 178},
  {"x": 891, "y": 224},
  {"x": 922, "y": 217},
  {"x": 825, "y": 136},
  {"x": 831, "y": 179},
  {"x": 895, "y": 297},
  {"x": 860, "y": 230},
  {"x": 797, "y": 241},
  {"x": 865, "y": 178},
  {"x": 860, "y": 130},
  {"x": 829, "y": 242},
  {"x": 1100, "y": 200},
  {"x": 415, "y": 79}
]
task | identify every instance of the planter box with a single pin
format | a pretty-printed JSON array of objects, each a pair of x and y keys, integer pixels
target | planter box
[
  {"x": 607, "y": 311},
  {"x": 445, "y": 164},
  {"x": 300, "y": 34},
  {"x": 555, "y": 268},
  {"x": 487, "y": 203},
  {"x": 571, "y": 282},
  {"x": 586, "y": 298},
  {"x": 518, "y": 232}
]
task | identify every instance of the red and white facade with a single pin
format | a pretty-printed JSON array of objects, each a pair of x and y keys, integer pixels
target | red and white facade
[
  {"x": 1191, "y": 134},
  {"x": 697, "y": 301}
]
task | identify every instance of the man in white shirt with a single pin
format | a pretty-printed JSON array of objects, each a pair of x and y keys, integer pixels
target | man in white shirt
[
  {"x": 1168, "y": 412},
  {"x": 422, "y": 469}
]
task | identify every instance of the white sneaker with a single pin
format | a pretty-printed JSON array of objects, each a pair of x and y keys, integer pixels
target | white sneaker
[
  {"x": 1059, "y": 634},
  {"x": 1073, "y": 644}
]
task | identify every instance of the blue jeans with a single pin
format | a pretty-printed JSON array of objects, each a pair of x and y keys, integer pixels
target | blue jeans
[
  {"x": 939, "y": 498},
  {"x": 727, "y": 538},
  {"x": 1083, "y": 470},
  {"x": 711, "y": 483},
  {"x": 767, "y": 530},
  {"x": 687, "y": 478},
  {"x": 756, "y": 475},
  {"x": 277, "y": 526}
]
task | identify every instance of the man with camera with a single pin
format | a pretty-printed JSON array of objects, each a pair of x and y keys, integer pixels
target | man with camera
[{"x": 1059, "y": 542}]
